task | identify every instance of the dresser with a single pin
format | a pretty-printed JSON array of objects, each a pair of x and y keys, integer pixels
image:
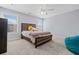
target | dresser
[{"x": 3, "y": 35}]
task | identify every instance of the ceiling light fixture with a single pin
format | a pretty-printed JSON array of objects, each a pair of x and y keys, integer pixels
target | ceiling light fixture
[{"x": 43, "y": 12}]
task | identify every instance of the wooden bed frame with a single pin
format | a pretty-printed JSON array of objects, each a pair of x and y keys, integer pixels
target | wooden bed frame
[{"x": 39, "y": 40}]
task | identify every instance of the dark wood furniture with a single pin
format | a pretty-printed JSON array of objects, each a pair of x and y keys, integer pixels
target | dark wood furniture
[
  {"x": 39, "y": 40},
  {"x": 3, "y": 35}
]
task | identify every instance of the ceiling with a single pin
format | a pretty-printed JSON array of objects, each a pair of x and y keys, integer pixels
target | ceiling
[{"x": 35, "y": 9}]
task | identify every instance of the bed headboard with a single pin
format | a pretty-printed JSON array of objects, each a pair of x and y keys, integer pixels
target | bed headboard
[{"x": 24, "y": 26}]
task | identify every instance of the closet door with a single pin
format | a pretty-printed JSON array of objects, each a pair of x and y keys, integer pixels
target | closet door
[{"x": 3, "y": 35}]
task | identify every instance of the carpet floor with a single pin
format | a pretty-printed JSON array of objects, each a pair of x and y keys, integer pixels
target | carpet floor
[{"x": 23, "y": 47}]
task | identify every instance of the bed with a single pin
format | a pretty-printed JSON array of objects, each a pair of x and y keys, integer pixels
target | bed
[{"x": 34, "y": 36}]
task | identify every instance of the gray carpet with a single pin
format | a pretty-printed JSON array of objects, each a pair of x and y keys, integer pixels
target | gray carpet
[{"x": 23, "y": 47}]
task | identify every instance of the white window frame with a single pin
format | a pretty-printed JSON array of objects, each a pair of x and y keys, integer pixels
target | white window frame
[{"x": 16, "y": 22}]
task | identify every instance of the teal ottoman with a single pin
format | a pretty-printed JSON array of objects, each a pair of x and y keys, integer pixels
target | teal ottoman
[{"x": 72, "y": 44}]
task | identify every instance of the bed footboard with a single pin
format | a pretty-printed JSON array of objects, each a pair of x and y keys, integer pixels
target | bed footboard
[{"x": 41, "y": 40}]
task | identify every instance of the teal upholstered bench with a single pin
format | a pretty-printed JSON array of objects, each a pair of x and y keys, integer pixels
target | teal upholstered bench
[{"x": 72, "y": 44}]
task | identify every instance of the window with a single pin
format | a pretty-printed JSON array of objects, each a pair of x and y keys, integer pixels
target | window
[
  {"x": 12, "y": 23},
  {"x": 40, "y": 25}
]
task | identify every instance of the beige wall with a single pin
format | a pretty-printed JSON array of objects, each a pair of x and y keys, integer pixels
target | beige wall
[{"x": 64, "y": 24}]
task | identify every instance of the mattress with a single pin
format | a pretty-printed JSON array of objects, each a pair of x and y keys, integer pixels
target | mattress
[
  {"x": 32, "y": 35},
  {"x": 26, "y": 34}
]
